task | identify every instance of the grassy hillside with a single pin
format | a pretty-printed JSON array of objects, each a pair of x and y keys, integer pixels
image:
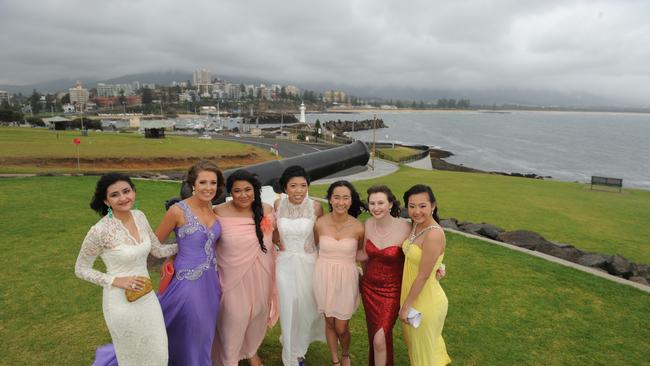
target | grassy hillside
[
  {"x": 27, "y": 150},
  {"x": 505, "y": 308}
]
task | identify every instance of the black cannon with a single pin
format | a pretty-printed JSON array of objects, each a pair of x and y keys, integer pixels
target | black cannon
[{"x": 318, "y": 164}]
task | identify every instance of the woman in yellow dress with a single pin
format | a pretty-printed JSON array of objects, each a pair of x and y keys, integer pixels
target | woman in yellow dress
[{"x": 422, "y": 299}]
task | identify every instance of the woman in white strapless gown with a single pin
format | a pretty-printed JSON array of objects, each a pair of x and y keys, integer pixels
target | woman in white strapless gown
[{"x": 296, "y": 214}]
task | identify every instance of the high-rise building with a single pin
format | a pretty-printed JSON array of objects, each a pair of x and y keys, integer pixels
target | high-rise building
[
  {"x": 78, "y": 94},
  {"x": 334, "y": 96},
  {"x": 201, "y": 76},
  {"x": 292, "y": 90},
  {"x": 234, "y": 91},
  {"x": 202, "y": 81},
  {"x": 110, "y": 90},
  {"x": 4, "y": 97}
]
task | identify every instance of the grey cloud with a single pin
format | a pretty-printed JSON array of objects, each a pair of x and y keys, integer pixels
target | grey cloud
[{"x": 581, "y": 46}]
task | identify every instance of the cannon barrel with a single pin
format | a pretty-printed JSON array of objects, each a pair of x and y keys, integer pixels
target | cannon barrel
[{"x": 318, "y": 164}]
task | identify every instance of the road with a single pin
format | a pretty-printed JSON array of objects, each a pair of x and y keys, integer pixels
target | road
[{"x": 285, "y": 148}]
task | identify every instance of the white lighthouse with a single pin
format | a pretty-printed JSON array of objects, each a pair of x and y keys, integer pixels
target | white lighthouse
[{"x": 302, "y": 112}]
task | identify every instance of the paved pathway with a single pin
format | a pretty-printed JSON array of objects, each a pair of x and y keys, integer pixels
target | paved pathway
[
  {"x": 424, "y": 163},
  {"x": 382, "y": 168},
  {"x": 550, "y": 258},
  {"x": 285, "y": 148}
]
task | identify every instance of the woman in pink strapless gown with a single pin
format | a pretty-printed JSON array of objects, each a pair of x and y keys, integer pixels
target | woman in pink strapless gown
[
  {"x": 246, "y": 260},
  {"x": 336, "y": 279}
]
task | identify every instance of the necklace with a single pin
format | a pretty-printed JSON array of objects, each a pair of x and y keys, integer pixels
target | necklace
[
  {"x": 413, "y": 237},
  {"x": 379, "y": 234},
  {"x": 345, "y": 223}
]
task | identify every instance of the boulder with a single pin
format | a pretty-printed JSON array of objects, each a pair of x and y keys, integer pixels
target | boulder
[
  {"x": 594, "y": 260},
  {"x": 619, "y": 266},
  {"x": 522, "y": 238},
  {"x": 640, "y": 270},
  {"x": 470, "y": 228},
  {"x": 640, "y": 280},
  {"x": 490, "y": 231},
  {"x": 449, "y": 223},
  {"x": 566, "y": 252},
  {"x": 546, "y": 247}
]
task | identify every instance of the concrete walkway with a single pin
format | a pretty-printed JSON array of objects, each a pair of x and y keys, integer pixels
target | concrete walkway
[
  {"x": 424, "y": 163},
  {"x": 550, "y": 258},
  {"x": 382, "y": 168}
]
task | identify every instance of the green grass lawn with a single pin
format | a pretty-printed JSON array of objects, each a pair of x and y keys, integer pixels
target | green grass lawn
[
  {"x": 41, "y": 144},
  {"x": 398, "y": 153},
  {"x": 594, "y": 221},
  {"x": 505, "y": 307}
]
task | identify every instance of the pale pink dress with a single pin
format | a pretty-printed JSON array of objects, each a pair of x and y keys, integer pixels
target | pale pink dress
[
  {"x": 336, "y": 278},
  {"x": 248, "y": 300}
]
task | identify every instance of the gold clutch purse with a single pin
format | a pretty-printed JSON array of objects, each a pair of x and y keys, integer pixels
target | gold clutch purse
[{"x": 133, "y": 295}]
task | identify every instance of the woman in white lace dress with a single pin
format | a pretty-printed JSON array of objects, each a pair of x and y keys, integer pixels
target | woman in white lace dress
[
  {"x": 299, "y": 318},
  {"x": 124, "y": 239}
]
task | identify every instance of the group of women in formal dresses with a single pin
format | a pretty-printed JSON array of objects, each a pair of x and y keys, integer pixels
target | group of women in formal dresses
[{"x": 240, "y": 265}]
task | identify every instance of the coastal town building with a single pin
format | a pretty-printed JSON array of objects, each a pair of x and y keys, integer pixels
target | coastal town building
[
  {"x": 114, "y": 90},
  {"x": 4, "y": 97},
  {"x": 202, "y": 80},
  {"x": 68, "y": 108},
  {"x": 332, "y": 96},
  {"x": 234, "y": 91},
  {"x": 78, "y": 95},
  {"x": 292, "y": 90}
]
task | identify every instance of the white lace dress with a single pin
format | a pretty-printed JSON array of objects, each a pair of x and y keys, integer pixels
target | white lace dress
[
  {"x": 137, "y": 328},
  {"x": 300, "y": 321}
]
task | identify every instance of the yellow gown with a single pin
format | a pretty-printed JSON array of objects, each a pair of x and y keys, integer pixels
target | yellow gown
[{"x": 425, "y": 344}]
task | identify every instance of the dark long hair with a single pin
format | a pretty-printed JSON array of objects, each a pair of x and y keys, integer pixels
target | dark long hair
[
  {"x": 395, "y": 210},
  {"x": 292, "y": 172},
  {"x": 257, "y": 207},
  {"x": 421, "y": 188},
  {"x": 97, "y": 202},
  {"x": 356, "y": 206}
]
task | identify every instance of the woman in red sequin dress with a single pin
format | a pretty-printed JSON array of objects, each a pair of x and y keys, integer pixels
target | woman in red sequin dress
[{"x": 381, "y": 282}]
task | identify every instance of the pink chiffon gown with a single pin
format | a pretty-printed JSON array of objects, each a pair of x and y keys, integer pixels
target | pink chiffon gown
[
  {"x": 336, "y": 278},
  {"x": 248, "y": 298}
]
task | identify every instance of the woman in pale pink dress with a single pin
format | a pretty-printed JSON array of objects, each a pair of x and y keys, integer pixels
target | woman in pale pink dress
[
  {"x": 336, "y": 279},
  {"x": 246, "y": 261}
]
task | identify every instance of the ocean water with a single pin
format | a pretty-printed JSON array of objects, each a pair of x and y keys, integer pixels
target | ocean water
[{"x": 569, "y": 146}]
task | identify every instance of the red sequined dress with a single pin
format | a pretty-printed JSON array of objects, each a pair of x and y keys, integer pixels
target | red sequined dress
[{"x": 380, "y": 288}]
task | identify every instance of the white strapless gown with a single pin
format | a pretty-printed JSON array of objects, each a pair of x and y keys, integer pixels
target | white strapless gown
[{"x": 300, "y": 321}]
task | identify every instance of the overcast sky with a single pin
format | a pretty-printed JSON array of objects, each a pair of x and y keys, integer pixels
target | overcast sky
[{"x": 600, "y": 47}]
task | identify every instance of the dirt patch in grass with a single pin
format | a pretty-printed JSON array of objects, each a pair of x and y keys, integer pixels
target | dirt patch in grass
[{"x": 46, "y": 164}]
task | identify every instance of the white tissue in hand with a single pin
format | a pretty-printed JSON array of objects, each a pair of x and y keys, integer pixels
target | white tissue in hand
[{"x": 414, "y": 317}]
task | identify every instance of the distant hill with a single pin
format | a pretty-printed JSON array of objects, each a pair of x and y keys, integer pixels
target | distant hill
[
  {"x": 51, "y": 86},
  {"x": 159, "y": 78},
  {"x": 488, "y": 97}
]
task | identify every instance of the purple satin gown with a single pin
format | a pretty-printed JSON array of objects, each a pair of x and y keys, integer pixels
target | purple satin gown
[{"x": 190, "y": 304}]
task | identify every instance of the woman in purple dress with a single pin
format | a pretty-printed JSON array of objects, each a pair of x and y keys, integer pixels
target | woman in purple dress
[{"x": 191, "y": 301}]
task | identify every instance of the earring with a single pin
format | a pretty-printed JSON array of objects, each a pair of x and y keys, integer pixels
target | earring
[
  {"x": 110, "y": 212},
  {"x": 193, "y": 191}
]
